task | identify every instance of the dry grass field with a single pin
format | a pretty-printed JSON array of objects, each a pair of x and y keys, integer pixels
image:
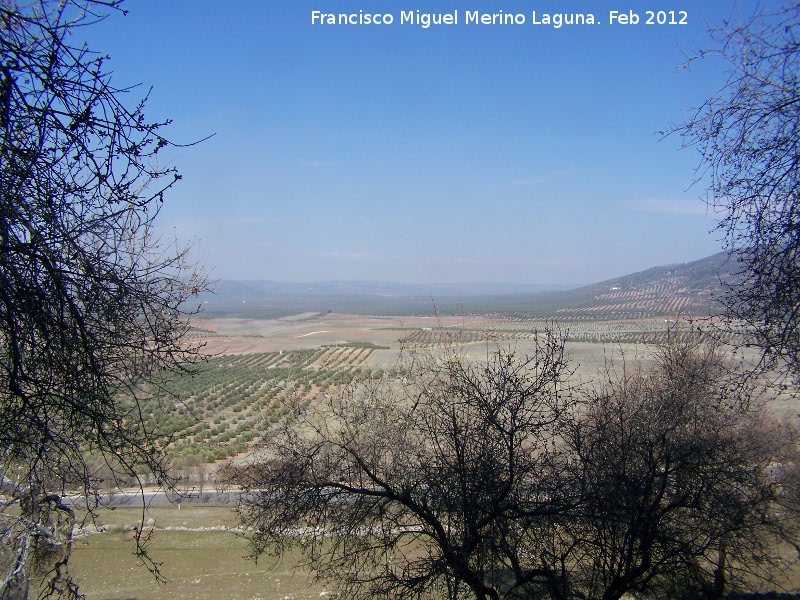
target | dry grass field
[
  {"x": 200, "y": 563},
  {"x": 203, "y": 562},
  {"x": 250, "y": 336}
]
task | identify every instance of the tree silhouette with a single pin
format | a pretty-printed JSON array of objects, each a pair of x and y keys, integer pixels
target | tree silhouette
[{"x": 91, "y": 300}]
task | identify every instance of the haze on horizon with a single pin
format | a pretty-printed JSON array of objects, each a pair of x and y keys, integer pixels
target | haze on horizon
[{"x": 449, "y": 154}]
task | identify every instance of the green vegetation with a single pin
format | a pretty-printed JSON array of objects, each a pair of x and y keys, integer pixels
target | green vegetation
[
  {"x": 218, "y": 412},
  {"x": 215, "y": 413}
]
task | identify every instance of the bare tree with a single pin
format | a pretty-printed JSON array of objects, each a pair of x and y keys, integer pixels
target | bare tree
[
  {"x": 428, "y": 487},
  {"x": 748, "y": 136},
  {"x": 91, "y": 302},
  {"x": 489, "y": 480},
  {"x": 681, "y": 469}
]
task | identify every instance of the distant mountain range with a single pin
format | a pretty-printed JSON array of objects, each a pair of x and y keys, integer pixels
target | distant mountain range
[
  {"x": 253, "y": 290},
  {"x": 679, "y": 289}
]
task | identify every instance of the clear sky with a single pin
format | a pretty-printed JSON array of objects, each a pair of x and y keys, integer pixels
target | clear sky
[{"x": 455, "y": 153}]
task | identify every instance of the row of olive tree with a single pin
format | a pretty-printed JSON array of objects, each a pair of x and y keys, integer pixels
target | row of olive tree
[{"x": 499, "y": 479}]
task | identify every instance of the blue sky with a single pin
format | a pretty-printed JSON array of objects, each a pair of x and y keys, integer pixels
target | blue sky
[{"x": 457, "y": 153}]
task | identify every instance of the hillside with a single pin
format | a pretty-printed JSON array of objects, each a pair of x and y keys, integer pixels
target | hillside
[{"x": 692, "y": 288}]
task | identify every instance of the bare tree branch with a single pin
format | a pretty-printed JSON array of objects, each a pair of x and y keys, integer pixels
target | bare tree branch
[{"x": 92, "y": 304}]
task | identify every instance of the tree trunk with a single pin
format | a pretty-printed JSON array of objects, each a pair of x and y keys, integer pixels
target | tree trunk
[{"x": 717, "y": 590}]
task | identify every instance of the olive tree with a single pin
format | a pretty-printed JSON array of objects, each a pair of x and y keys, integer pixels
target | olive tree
[
  {"x": 91, "y": 301},
  {"x": 748, "y": 136}
]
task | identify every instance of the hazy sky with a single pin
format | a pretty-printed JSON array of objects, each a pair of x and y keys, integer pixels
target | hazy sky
[{"x": 454, "y": 153}]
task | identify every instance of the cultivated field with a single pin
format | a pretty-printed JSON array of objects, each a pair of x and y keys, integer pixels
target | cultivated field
[{"x": 256, "y": 371}]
